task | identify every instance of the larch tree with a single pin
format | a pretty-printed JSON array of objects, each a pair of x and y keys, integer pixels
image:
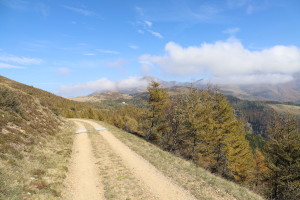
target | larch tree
[
  {"x": 221, "y": 145},
  {"x": 260, "y": 171},
  {"x": 157, "y": 101},
  {"x": 175, "y": 116},
  {"x": 283, "y": 158}
]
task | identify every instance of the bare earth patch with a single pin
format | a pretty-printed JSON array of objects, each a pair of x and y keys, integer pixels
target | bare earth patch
[
  {"x": 82, "y": 181},
  {"x": 118, "y": 180}
]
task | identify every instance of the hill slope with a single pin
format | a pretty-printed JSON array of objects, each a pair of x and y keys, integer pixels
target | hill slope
[
  {"x": 23, "y": 118},
  {"x": 35, "y": 142},
  {"x": 27, "y": 113}
]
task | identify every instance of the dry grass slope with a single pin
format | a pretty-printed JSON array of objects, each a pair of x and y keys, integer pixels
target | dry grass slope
[
  {"x": 39, "y": 170},
  {"x": 282, "y": 108},
  {"x": 33, "y": 151}
]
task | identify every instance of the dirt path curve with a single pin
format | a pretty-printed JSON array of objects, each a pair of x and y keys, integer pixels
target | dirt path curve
[
  {"x": 143, "y": 170},
  {"x": 82, "y": 181}
]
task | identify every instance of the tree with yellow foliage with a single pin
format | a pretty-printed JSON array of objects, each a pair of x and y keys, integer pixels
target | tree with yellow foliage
[
  {"x": 157, "y": 100},
  {"x": 283, "y": 158},
  {"x": 260, "y": 171}
]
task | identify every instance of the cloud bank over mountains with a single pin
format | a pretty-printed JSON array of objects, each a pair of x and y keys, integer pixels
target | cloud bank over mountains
[
  {"x": 229, "y": 62},
  {"x": 222, "y": 62},
  {"x": 104, "y": 85}
]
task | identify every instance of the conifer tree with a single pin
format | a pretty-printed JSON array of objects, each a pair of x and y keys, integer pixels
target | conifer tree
[
  {"x": 240, "y": 161},
  {"x": 283, "y": 156},
  {"x": 176, "y": 117},
  {"x": 261, "y": 171},
  {"x": 218, "y": 140},
  {"x": 157, "y": 101},
  {"x": 194, "y": 112}
]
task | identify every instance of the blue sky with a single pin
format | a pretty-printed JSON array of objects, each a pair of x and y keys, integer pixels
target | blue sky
[{"x": 71, "y": 47}]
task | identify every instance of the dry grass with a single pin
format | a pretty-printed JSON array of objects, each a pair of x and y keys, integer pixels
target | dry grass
[
  {"x": 201, "y": 183},
  {"x": 40, "y": 169},
  {"x": 102, "y": 96},
  {"x": 281, "y": 108},
  {"x": 118, "y": 181}
]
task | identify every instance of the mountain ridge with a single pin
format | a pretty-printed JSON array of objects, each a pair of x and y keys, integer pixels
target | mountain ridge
[{"x": 283, "y": 92}]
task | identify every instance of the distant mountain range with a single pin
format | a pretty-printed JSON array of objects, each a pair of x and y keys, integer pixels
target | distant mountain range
[{"x": 284, "y": 92}]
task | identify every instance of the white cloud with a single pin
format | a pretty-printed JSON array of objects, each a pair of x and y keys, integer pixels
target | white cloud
[
  {"x": 156, "y": 34},
  {"x": 84, "y": 12},
  {"x": 8, "y": 66},
  {"x": 148, "y": 23},
  {"x": 146, "y": 26},
  {"x": 103, "y": 85},
  {"x": 89, "y": 54},
  {"x": 225, "y": 60},
  {"x": 20, "y": 60},
  {"x": 252, "y": 79},
  {"x": 232, "y": 31},
  {"x": 63, "y": 71},
  {"x": 108, "y": 51},
  {"x": 132, "y": 46}
]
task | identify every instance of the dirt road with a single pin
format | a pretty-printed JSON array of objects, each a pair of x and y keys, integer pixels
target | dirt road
[
  {"x": 82, "y": 181},
  {"x": 158, "y": 184}
]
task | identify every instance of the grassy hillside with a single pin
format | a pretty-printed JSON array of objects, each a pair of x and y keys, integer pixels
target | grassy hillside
[
  {"x": 28, "y": 113},
  {"x": 22, "y": 119},
  {"x": 283, "y": 108},
  {"x": 58, "y": 105},
  {"x": 35, "y": 141}
]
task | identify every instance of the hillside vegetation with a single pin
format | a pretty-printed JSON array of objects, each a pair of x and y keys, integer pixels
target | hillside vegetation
[
  {"x": 283, "y": 108},
  {"x": 28, "y": 113},
  {"x": 35, "y": 141},
  {"x": 199, "y": 182}
]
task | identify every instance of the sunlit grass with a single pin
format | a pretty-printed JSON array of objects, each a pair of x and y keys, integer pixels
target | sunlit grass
[{"x": 40, "y": 171}]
